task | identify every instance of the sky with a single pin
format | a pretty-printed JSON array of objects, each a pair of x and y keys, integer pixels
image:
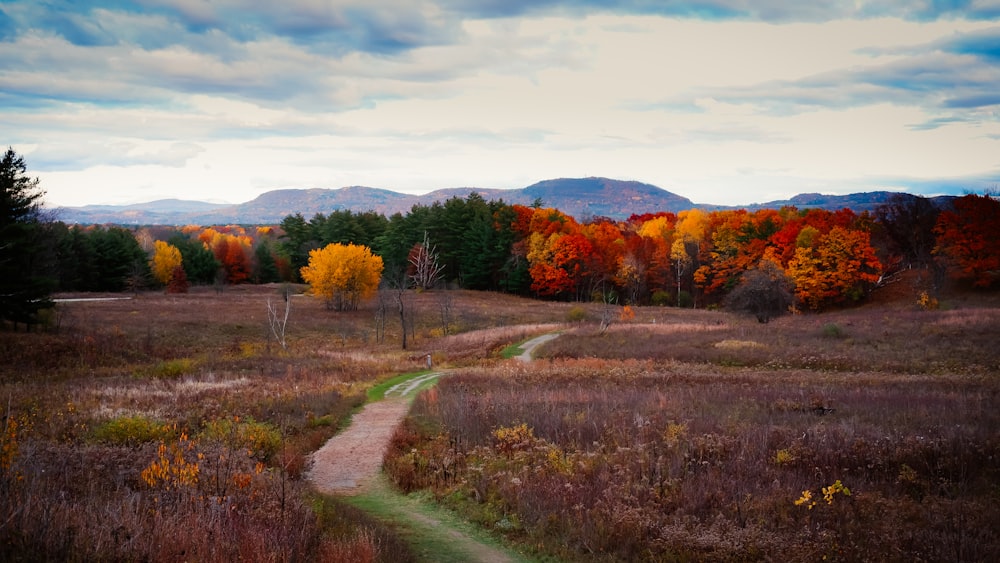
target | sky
[{"x": 722, "y": 101}]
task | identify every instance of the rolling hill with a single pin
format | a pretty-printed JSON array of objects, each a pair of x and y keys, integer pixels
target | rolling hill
[{"x": 582, "y": 198}]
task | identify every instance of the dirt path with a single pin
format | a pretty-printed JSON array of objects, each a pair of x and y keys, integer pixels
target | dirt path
[
  {"x": 350, "y": 463},
  {"x": 529, "y": 347},
  {"x": 349, "y": 460}
]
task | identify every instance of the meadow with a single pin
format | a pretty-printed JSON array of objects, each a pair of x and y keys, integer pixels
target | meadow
[
  {"x": 175, "y": 427},
  {"x": 863, "y": 435}
]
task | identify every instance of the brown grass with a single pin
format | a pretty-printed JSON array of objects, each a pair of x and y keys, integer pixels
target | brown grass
[
  {"x": 699, "y": 450},
  {"x": 71, "y": 484},
  {"x": 657, "y": 439}
]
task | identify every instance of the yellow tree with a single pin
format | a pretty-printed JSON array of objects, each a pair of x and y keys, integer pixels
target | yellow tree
[
  {"x": 343, "y": 274},
  {"x": 690, "y": 232},
  {"x": 165, "y": 259}
]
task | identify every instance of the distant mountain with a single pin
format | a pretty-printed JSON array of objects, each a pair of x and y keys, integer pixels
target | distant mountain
[
  {"x": 864, "y": 201},
  {"x": 159, "y": 212},
  {"x": 580, "y": 197}
]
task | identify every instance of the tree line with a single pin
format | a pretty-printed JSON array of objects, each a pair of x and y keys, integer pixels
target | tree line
[{"x": 693, "y": 258}]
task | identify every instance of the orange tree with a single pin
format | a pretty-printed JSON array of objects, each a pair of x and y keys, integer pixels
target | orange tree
[
  {"x": 343, "y": 274},
  {"x": 833, "y": 268},
  {"x": 967, "y": 236}
]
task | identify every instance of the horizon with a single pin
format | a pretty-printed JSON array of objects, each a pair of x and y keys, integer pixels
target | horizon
[
  {"x": 237, "y": 203},
  {"x": 473, "y": 189},
  {"x": 721, "y": 101}
]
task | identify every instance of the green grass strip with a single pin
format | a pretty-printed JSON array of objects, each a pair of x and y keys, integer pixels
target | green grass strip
[
  {"x": 377, "y": 393},
  {"x": 513, "y": 351},
  {"x": 427, "y": 528}
]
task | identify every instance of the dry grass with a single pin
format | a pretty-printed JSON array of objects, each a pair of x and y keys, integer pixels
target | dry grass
[
  {"x": 699, "y": 449},
  {"x": 70, "y": 472},
  {"x": 645, "y": 403}
]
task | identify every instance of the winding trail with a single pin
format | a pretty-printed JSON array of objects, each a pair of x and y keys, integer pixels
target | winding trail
[
  {"x": 528, "y": 348},
  {"x": 350, "y": 463}
]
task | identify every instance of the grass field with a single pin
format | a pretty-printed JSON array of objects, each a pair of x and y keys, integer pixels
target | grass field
[{"x": 172, "y": 427}]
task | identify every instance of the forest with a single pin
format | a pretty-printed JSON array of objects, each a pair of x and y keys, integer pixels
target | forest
[{"x": 694, "y": 258}]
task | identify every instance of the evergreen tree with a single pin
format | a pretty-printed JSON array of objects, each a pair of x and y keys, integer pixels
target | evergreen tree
[
  {"x": 264, "y": 268},
  {"x": 25, "y": 280},
  {"x": 200, "y": 265}
]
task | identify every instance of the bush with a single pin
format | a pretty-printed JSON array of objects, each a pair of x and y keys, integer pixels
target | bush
[
  {"x": 133, "y": 430},
  {"x": 684, "y": 300},
  {"x": 662, "y": 298},
  {"x": 172, "y": 369},
  {"x": 260, "y": 439},
  {"x": 576, "y": 315},
  {"x": 832, "y": 330}
]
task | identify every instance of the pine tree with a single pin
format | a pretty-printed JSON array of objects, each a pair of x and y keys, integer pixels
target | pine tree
[{"x": 25, "y": 282}]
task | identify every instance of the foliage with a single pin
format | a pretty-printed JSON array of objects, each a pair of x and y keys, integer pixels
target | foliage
[
  {"x": 968, "y": 236},
  {"x": 837, "y": 267},
  {"x": 260, "y": 440},
  {"x": 25, "y": 275},
  {"x": 133, "y": 430},
  {"x": 200, "y": 265},
  {"x": 343, "y": 274},
  {"x": 165, "y": 260},
  {"x": 98, "y": 259},
  {"x": 764, "y": 292},
  {"x": 178, "y": 281}
]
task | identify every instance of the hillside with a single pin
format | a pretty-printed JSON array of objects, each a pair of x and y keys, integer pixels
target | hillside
[{"x": 582, "y": 198}]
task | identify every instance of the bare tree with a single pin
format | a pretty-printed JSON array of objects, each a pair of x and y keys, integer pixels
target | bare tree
[
  {"x": 608, "y": 314},
  {"x": 765, "y": 292},
  {"x": 380, "y": 313},
  {"x": 425, "y": 270},
  {"x": 397, "y": 283},
  {"x": 278, "y": 321},
  {"x": 445, "y": 304}
]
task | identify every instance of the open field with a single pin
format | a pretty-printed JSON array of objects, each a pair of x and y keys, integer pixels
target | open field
[
  {"x": 676, "y": 434},
  {"x": 87, "y": 406},
  {"x": 869, "y": 434}
]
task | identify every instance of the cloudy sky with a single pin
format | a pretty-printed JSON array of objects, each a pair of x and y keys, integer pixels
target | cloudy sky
[{"x": 721, "y": 101}]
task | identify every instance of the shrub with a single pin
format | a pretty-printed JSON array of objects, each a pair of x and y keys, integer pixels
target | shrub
[
  {"x": 172, "y": 369},
  {"x": 832, "y": 330},
  {"x": 260, "y": 439},
  {"x": 684, "y": 300},
  {"x": 576, "y": 315},
  {"x": 133, "y": 430},
  {"x": 661, "y": 298}
]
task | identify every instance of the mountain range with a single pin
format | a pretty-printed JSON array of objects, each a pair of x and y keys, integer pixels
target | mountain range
[{"x": 581, "y": 198}]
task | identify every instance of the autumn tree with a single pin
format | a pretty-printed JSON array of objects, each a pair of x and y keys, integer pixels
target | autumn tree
[
  {"x": 691, "y": 227},
  {"x": 232, "y": 252},
  {"x": 343, "y": 274},
  {"x": 166, "y": 258},
  {"x": 833, "y": 268},
  {"x": 178, "y": 281},
  {"x": 968, "y": 237}
]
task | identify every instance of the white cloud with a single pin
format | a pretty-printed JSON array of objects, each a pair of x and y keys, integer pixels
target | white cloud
[{"x": 718, "y": 111}]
